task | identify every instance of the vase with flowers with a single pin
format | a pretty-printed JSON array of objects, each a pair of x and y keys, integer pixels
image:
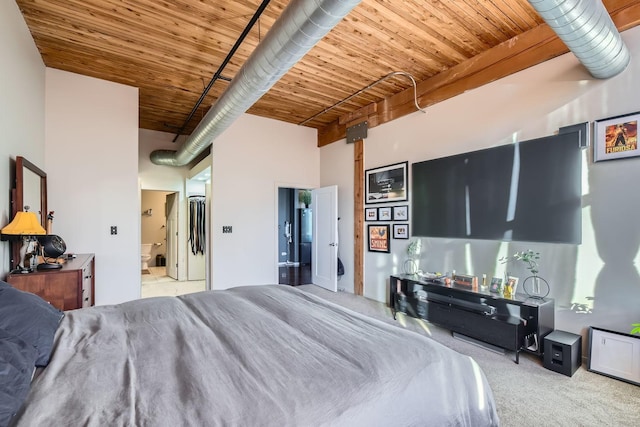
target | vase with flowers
[
  {"x": 413, "y": 253},
  {"x": 304, "y": 196},
  {"x": 534, "y": 285}
]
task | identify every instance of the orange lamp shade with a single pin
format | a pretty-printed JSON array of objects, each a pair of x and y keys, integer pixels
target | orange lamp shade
[{"x": 24, "y": 223}]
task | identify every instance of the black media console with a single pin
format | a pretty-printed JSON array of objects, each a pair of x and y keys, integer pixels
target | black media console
[{"x": 515, "y": 324}]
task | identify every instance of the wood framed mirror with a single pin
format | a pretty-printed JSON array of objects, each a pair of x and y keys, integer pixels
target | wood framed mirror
[{"x": 30, "y": 190}]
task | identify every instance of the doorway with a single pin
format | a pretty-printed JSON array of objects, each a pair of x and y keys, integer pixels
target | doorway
[
  {"x": 159, "y": 227},
  {"x": 295, "y": 236}
]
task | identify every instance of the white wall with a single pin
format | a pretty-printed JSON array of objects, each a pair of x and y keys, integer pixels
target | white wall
[
  {"x": 527, "y": 105},
  {"x": 22, "y": 83},
  {"x": 250, "y": 160},
  {"x": 92, "y": 166}
]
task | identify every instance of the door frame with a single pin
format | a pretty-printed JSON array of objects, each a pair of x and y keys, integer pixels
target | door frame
[
  {"x": 277, "y": 186},
  {"x": 182, "y": 226}
]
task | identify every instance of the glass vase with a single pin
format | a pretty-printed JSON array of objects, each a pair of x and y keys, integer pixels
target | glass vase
[{"x": 536, "y": 287}]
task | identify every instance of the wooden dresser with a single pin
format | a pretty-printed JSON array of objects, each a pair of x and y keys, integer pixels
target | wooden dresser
[{"x": 67, "y": 288}]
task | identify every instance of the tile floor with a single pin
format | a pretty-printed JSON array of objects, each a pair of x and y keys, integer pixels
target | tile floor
[{"x": 157, "y": 283}]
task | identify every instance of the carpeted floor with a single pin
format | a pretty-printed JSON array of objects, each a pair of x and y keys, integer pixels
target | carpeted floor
[{"x": 527, "y": 394}]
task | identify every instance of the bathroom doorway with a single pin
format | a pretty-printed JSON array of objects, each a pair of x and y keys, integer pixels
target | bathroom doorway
[
  {"x": 159, "y": 221},
  {"x": 295, "y": 236},
  {"x": 165, "y": 274}
]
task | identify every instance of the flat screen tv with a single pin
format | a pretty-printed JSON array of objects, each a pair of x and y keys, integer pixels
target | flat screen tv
[{"x": 526, "y": 191}]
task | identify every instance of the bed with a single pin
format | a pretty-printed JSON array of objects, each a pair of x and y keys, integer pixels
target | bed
[{"x": 256, "y": 355}]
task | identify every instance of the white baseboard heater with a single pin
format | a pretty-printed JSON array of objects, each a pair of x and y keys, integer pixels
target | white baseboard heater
[{"x": 614, "y": 354}]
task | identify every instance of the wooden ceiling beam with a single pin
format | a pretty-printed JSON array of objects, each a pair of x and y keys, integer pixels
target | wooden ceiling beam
[{"x": 526, "y": 50}]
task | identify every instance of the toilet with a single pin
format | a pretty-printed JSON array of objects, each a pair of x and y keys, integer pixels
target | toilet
[{"x": 145, "y": 255}]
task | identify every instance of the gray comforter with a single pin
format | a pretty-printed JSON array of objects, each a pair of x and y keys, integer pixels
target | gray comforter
[{"x": 250, "y": 356}]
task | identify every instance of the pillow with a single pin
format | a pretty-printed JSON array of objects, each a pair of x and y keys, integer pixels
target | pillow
[
  {"x": 17, "y": 361},
  {"x": 30, "y": 318}
]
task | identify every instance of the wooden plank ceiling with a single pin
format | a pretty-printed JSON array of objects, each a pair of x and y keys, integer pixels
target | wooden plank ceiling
[{"x": 171, "y": 49}]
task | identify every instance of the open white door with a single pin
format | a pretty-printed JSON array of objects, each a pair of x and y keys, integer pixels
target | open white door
[
  {"x": 324, "y": 249},
  {"x": 172, "y": 235}
]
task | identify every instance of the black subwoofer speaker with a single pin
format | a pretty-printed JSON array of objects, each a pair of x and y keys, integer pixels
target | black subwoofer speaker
[{"x": 562, "y": 352}]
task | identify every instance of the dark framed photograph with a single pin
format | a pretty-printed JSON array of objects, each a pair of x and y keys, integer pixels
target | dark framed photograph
[
  {"x": 378, "y": 238},
  {"x": 616, "y": 137},
  {"x": 401, "y": 213},
  {"x": 371, "y": 214},
  {"x": 400, "y": 231},
  {"x": 384, "y": 214},
  {"x": 387, "y": 183},
  {"x": 496, "y": 285}
]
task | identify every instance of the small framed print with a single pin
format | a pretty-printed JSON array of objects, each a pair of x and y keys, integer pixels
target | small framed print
[
  {"x": 401, "y": 213},
  {"x": 371, "y": 214},
  {"x": 510, "y": 287},
  {"x": 400, "y": 231},
  {"x": 496, "y": 285},
  {"x": 616, "y": 137},
  {"x": 378, "y": 238},
  {"x": 384, "y": 214}
]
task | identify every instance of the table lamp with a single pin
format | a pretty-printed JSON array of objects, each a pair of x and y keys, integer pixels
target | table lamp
[{"x": 25, "y": 225}]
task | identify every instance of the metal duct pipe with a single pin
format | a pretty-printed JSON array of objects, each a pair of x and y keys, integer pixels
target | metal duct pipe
[
  {"x": 586, "y": 28},
  {"x": 302, "y": 24}
]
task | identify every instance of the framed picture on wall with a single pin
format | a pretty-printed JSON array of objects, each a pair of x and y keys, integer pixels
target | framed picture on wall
[
  {"x": 401, "y": 213},
  {"x": 616, "y": 137},
  {"x": 378, "y": 236},
  {"x": 384, "y": 214},
  {"x": 371, "y": 214},
  {"x": 400, "y": 231},
  {"x": 386, "y": 183}
]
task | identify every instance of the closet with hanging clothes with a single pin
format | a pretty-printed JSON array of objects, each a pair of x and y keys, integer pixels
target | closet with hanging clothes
[{"x": 197, "y": 233}]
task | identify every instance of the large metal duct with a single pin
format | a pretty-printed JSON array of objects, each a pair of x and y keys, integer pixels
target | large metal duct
[
  {"x": 586, "y": 28},
  {"x": 302, "y": 24}
]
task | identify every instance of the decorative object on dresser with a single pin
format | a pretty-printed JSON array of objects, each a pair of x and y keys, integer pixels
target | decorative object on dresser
[
  {"x": 515, "y": 324},
  {"x": 412, "y": 263},
  {"x": 52, "y": 247},
  {"x": 68, "y": 288},
  {"x": 25, "y": 227},
  {"x": 496, "y": 285},
  {"x": 534, "y": 285},
  {"x": 466, "y": 281}
]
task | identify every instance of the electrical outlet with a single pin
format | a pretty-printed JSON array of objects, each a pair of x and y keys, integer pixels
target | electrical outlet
[
  {"x": 226, "y": 229},
  {"x": 114, "y": 229}
]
